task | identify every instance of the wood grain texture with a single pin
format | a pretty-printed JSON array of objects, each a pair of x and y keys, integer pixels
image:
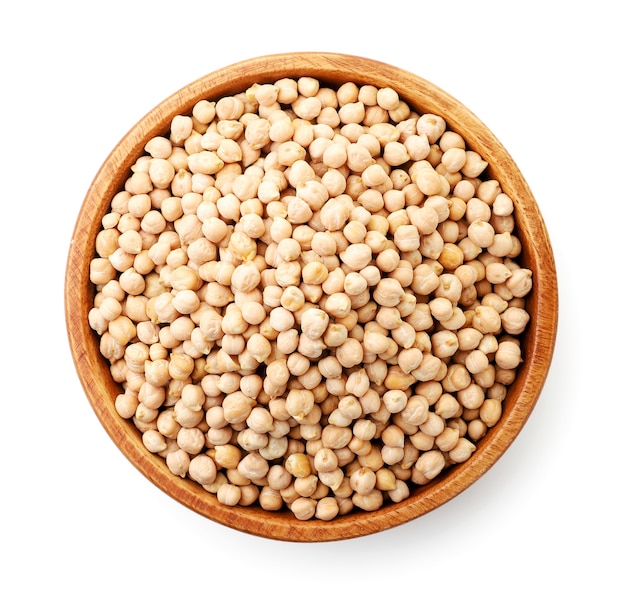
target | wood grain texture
[{"x": 332, "y": 69}]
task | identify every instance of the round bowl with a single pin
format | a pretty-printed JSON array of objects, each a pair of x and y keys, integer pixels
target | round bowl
[{"x": 537, "y": 342}]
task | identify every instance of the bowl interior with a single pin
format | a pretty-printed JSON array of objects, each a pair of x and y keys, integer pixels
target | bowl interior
[{"x": 333, "y": 70}]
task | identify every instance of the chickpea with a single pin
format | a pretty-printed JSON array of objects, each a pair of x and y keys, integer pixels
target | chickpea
[{"x": 313, "y": 279}]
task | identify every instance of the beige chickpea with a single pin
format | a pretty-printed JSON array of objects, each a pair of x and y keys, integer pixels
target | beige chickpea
[
  {"x": 382, "y": 295},
  {"x": 150, "y": 396},
  {"x": 388, "y": 292},
  {"x": 356, "y": 256},
  {"x": 425, "y": 279},
  {"x": 318, "y": 147},
  {"x": 334, "y": 214},
  {"x": 454, "y": 159},
  {"x": 270, "y": 499},
  {"x": 287, "y": 341},
  {"x": 178, "y": 462},
  {"x": 292, "y": 299},
  {"x": 467, "y": 275},
  {"x": 447, "y": 406},
  {"x": 399, "y": 492},
  {"x": 307, "y": 486},
  {"x": 309, "y": 347},
  {"x": 313, "y": 273},
  {"x": 488, "y": 343},
  {"x": 338, "y": 305},
  {"x": 514, "y": 320},
  {"x": 298, "y": 364},
  {"x": 233, "y": 322},
  {"x": 277, "y": 373},
  {"x": 253, "y": 466},
  {"x": 350, "y": 353},
  {"x": 395, "y": 153},
  {"x": 417, "y": 146},
  {"x": 338, "y": 418},
  {"x": 471, "y": 397},
  {"x": 229, "y": 494},
  {"x": 122, "y": 330},
  {"x": 350, "y": 407},
  {"x": 497, "y": 391},
  {"x": 237, "y": 407},
  {"x": 325, "y": 460},
  {"x": 370, "y": 502},
  {"x": 107, "y": 240},
  {"x": 154, "y": 441},
  {"x": 167, "y": 423},
  {"x": 278, "y": 477},
  {"x": 214, "y": 229},
  {"x": 355, "y": 231},
  {"x": 323, "y": 244},
  {"x": 407, "y": 238},
  {"x": 303, "y": 508},
  {"x": 462, "y": 451},
  {"x": 433, "y": 425},
  {"x": 481, "y": 233},
  {"x": 425, "y": 219},
  {"x": 427, "y": 179},
  {"x": 355, "y": 283},
  {"x": 388, "y": 260},
  {"x": 364, "y": 429},
  {"x": 497, "y": 272},
  {"x": 375, "y": 239},
  {"x": 491, "y": 411},
  {"x": 298, "y": 465},
  {"x": 395, "y": 401},
  {"x": 191, "y": 440},
  {"x": 447, "y": 439},
  {"x": 502, "y": 205},
  {"x": 409, "y": 359},
  {"x": 335, "y": 155},
  {"x": 363, "y": 481},
  {"x": 449, "y": 287},
  {"x": 469, "y": 338},
  {"x": 126, "y": 405},
  {"x": 281, "y": 319},
  {"x": 299, "y": 403},
  {"x": 476, "y": 361},
  {"x": 309, "y": 189},
  {"x": 109, "y": 309},
  {"x": 227, "y": 456},
  {"x": 314, "y": 322},
  {"x": 101, "y": 271},
  {"x": 185, "y": 416},
  {"x": 289, "y": 249},
  {"x": 502, "y": 244},
  {"x": 327, "y": 509},
  {"x": 428, "y": 466},
  {"x": 509, "y": 355},
  {"x": 520, "y": 282},
  {"x": 334, "y": 282},
  {"x": 473, "y": 166},
  {"x": 486, "y": 319},
  {"x": 253, "y": 313},
  {"x": 477, "y": 210}
]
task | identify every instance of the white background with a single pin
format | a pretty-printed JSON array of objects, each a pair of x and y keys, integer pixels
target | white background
[{"x": 546, "y": 77}]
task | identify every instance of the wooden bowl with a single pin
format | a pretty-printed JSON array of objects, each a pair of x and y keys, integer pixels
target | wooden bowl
[{"x": 332, "y": 69}]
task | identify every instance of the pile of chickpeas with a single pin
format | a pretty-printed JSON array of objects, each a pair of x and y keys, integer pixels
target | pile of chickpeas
[{"x": 310, "y": 297}]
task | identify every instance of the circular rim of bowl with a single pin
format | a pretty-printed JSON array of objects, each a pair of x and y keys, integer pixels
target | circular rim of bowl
[{"x": 423, "y": 96}]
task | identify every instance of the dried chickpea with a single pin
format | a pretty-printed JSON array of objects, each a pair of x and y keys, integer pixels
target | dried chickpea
[{"x": 314, "y": 278}]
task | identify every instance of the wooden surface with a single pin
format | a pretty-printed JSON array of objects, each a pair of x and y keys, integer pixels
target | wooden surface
[{"x": 333, "y": 69}]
